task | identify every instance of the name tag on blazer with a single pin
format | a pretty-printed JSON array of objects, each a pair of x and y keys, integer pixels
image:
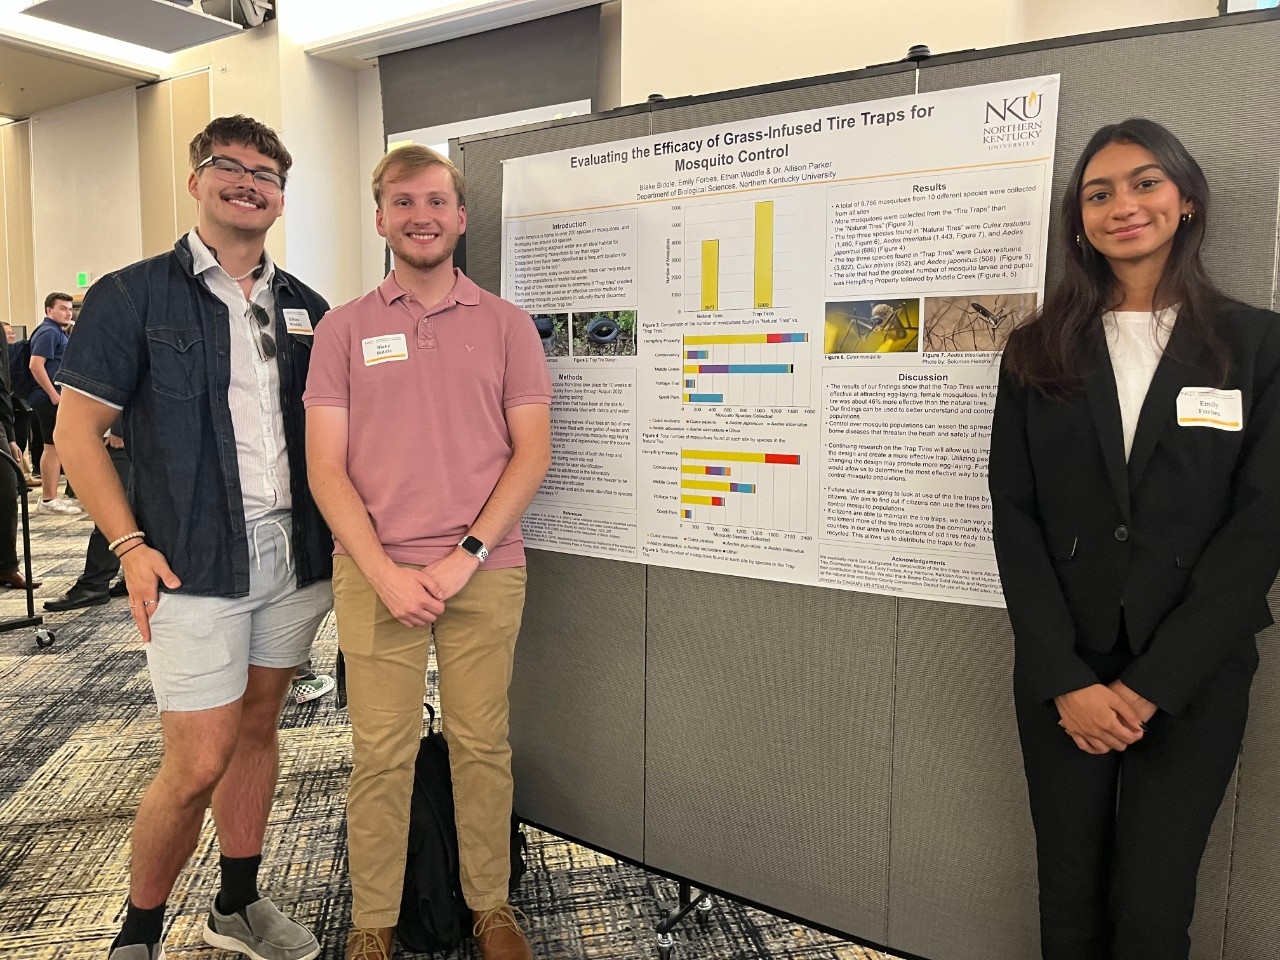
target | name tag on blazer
[
  {"x": 298, "y": 322},
  {"x": 1207, "y": 407}
]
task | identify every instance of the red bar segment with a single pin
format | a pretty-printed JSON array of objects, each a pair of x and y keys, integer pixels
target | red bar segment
[{"x": 791, "y": 458}]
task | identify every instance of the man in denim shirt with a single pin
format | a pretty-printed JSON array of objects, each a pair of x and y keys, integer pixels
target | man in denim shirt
[{"x": 206, "y": 350}]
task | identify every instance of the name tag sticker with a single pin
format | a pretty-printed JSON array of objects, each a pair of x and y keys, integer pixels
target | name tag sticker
[
  {"x": 384, "y": 349},
  {"x": 1207, "y": 407},
  {"x": 297, "y": 321}
]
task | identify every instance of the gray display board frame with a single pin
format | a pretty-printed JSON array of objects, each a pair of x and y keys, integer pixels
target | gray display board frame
[{"x": 850, "y": 759}]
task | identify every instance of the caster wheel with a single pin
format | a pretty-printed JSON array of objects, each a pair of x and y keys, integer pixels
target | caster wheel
[
  {"x": 665, "y": 952},
  {"x": 44, "y": 638},
  {"x": 705, "y": 904}
]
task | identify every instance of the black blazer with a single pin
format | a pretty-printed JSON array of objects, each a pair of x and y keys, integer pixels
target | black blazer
[{"x": 1183, "y": 541}]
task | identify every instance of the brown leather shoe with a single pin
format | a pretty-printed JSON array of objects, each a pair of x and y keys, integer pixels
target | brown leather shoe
[
  {"x": 369, "y": 943},
  {"x": 16, "y": 581},
  {"x": 499, "y": 935}
]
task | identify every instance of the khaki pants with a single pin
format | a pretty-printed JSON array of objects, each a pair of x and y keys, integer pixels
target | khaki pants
[{"x": 386, "y": 679}]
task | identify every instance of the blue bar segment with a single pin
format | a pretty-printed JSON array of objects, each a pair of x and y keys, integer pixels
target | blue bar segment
[{"x": 745, "y": 368}]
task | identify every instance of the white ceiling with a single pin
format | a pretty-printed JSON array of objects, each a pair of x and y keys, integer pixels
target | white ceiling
[{"x": 32, "y": 80}]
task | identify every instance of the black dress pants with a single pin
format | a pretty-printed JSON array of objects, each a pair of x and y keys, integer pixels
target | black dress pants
[
  {"x": 1119, "y": 837},
  {"x": 9, "y": 514},
  {"x": 100, "y": 562}
]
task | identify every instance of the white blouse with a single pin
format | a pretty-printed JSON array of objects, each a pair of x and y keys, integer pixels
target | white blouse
[{"x": 1136, "y": 342}]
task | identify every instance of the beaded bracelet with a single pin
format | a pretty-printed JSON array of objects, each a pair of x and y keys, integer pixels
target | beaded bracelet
[{"x": 136, "y": 535}]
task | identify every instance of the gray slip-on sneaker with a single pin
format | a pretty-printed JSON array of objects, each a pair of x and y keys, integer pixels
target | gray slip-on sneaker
[
  {"x": 260, "y": 931},
  {"x": 138, "y": 951}
]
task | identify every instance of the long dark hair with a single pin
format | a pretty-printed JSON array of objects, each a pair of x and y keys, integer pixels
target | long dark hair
[{"x": 1046, "y": 352}]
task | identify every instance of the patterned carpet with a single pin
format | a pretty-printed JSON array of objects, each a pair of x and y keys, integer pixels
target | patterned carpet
[{"x": 79, "y": 741}]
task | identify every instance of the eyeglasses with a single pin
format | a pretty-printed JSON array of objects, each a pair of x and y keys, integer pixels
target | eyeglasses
[
  {"x": 266, "y": 343},
  {"x": 233, "y": 171}
]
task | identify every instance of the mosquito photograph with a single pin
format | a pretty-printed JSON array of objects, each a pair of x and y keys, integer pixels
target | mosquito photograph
[{"x": 974, "y": 324}]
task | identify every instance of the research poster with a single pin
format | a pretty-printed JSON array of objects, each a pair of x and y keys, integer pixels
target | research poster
[{"x": 774, "y": 343}]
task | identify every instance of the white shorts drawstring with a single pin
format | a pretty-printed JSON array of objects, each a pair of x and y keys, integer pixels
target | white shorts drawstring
[{"x": 284, "y": 535}]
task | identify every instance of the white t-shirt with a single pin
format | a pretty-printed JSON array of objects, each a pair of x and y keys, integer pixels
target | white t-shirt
[{"x": 1136, "y": 341}]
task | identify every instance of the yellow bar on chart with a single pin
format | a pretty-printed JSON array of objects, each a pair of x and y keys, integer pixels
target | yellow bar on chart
[
  {"x": 719, "y": 471},
  {"x": 764, "y": 255},
  {"x": 707, "y": 485},
  {"x": 710, "y": 274},
  {"x": 722, "y": 455}
]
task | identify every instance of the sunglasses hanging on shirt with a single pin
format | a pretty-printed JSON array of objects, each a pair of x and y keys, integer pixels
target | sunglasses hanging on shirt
[{"x": 266, "y": 343}]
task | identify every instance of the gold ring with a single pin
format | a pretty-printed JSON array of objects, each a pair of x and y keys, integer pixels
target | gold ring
[{"x": 148, "y": 603}]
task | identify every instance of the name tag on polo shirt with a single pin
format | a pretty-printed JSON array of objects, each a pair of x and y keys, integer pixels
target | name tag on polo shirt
[
  {"x": 298, "y": 321},
  {"x": 1207, "y": 407},
  {"x": 384, "y": 349}
]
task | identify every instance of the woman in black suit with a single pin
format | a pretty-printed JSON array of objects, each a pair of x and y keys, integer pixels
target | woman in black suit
[{"x": 1135, "y": 487}]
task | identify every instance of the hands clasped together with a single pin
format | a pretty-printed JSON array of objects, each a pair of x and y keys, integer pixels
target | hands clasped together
[
  {"x": 417, "y": 597},
  {"x": 1104, "y": 718}
]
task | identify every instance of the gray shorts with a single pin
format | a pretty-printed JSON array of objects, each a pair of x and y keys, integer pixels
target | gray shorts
[{"x": 201, "y": 647}]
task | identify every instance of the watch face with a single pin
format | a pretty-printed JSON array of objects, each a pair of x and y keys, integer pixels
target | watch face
[{"x": 475, "y": 547}]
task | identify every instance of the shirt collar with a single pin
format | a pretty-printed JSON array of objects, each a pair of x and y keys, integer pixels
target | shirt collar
[
  {"x": 464, "y": 292},
  {"x": 203, "y": 260}
]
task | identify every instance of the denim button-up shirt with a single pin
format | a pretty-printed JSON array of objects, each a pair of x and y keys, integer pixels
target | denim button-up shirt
[{"x": 153, "y": 340}]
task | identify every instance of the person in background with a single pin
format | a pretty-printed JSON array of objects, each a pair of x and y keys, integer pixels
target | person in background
[
  {"x": 94, "y": 587},
  {"x": 308, "y": 685},
  {"x": 21, "y": 412},
  {"x": 10, "y": 489},
  {"x": 1136, "y": 514},
  {"x": 48, "y": 344}
]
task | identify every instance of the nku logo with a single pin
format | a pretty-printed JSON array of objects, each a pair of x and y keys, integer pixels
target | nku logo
[
  {"x": 1015, "y": 109},
  {"x": 1012, "y": 122}
]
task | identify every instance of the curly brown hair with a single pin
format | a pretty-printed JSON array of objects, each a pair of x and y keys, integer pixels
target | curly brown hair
[{"x": 242, "y": 130}]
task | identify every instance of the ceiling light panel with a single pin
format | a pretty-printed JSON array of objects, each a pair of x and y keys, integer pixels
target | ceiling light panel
[{"x": 157, "y": 24}]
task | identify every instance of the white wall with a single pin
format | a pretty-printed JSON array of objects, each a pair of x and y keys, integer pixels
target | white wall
[
  {"x": 320, "y": 125},
  {"x": 85, "y": 192},
  {"x": 373, "y": 260},
  {"x": 682, "y": 47},
  {"x": 1042, "y": 19},
  {"x": 244, "y": 77}
]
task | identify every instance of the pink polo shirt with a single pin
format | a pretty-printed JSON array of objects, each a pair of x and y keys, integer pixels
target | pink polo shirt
[{"x": 427, "y": 391}]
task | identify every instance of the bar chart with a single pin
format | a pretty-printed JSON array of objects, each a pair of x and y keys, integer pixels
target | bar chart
[
  {"x": 760, "y": 490},
  {"x": 738, "y": 255},
  {"x": 762, "y": 369}
]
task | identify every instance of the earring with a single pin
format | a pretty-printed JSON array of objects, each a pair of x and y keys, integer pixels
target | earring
[
  {"x": 1079, "y": 242},
  {"x": 1186, "y": 217}
]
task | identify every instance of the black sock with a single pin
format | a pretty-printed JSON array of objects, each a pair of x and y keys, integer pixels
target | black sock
[
  {"x": 239, "y": 882},
  {"x": 140, "y": 926}
]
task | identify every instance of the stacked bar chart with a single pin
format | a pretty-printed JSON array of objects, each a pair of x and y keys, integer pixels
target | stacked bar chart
[
  {"x": 738, "y": 259},
  {"x": 762, "y": 369},
  {"x": 757, "y": 489}
]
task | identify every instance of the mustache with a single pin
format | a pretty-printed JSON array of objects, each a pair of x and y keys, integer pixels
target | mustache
[{"x": 241, "y": 193}]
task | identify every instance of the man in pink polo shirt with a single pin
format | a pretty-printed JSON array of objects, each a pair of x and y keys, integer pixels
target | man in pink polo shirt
[{"x": 428, "y": 433}]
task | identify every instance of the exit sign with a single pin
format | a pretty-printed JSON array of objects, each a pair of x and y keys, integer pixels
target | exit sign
[{"x": 82, "y": 280}]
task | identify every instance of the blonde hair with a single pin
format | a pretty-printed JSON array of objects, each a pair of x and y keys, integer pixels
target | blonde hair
[{"x": 403, "y": 162}]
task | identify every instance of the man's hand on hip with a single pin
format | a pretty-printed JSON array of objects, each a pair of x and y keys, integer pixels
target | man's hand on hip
[{"x": 144, "y": 570}]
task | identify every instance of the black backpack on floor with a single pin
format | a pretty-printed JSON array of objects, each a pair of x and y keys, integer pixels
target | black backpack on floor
[{"x": 433, "y": 915}]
